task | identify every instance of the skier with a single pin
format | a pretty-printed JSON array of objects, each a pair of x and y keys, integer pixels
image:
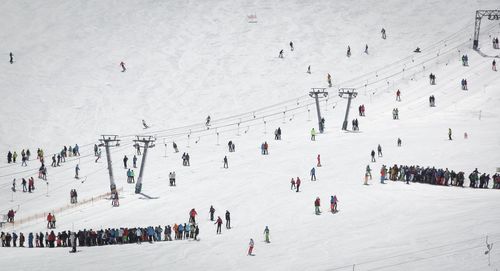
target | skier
[
  {"x": 366, "y": 49},
  {"x": 250, "y": 247},
  {"x": 494, "y": 65},
  {"x": 316, "y": 206},
  {"x": 72, "y": 238},
  {"x": 207, "y": 122},
  {"x": 77, "y": 169},
  {"x": 398, "y": 96},
  {"x": 417, "y": 50},
  {"x": 219, "y": 224},
  {"x": 14, "y": 185},
  {"x": 373, "y": 156},
  {"x": 333, "y": 204},
  {"x": 134, "y": 161},
  {"x": 297, "y": 183},
  {"x": 228, "y": 220},
  {"x": 319, "y": 161},
  {"x": 144, "y": 124},
  {"x": 24, "y": 185},
  {"x": 313, "y": 134},
  {"x": 379, "y": 149},
  {"x": 212, "y": 211},
  {"x": 329, "y": 80},
  {"x": 266, "y": 234},
  {"x": 368, "y": 173},
  {"x": 399, "y": 142},
  {"x": 192, "y": 215},
  {"x": 291, "y": 46},
  {"x": 313, "y": 174},
  {"x": 449, "y": 134},
  {"x": 98, "y": 155},
  {"x": 125, "y": 159},
  {"x": 171, "y": 177},
  {"x": 225, "y": 162},
  {"x": 382, "y": 174},
  {"x": 309, "y": 69},
  {"x": 123, "y": 66},
  {"x": 281, "y": 54},
  {"x": 11, "y": 58},
  {"x": 383, "y": 33},
  {"x": 348, "y": 51},
  {"x": 292, "y": 184},
  {"x": 175, "y": 147}
]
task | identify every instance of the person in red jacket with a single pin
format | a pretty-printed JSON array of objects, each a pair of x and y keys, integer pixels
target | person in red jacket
[
  {"x": 192, "y": 215},
  {"x": 219, "y": 225},
  {"x": 52, "y": 238},
  {"x": 297, "y": 183},
  {"x": 319, "y": 161},
  {"x": 49, "y": 220},
  {"x": 398, "y": 96},
  {"x": 316, "y": 206}
]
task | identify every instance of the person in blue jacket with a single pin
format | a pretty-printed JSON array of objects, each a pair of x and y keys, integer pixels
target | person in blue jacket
[
  {"x": 30, "y": 239},
  {"x": 313, "y": 174}
]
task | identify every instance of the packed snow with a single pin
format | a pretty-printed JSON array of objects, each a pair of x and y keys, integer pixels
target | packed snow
[{"x": 186, "y": 60}]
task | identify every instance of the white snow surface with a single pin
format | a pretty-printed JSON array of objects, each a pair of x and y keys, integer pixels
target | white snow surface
[{"x": 189, "y": 59}]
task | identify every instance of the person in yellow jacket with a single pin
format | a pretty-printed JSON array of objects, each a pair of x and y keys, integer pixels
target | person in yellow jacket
[{"x": 313, "y": 134}]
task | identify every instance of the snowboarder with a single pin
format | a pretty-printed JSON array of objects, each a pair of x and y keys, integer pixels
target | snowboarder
[
  {"x": 219, "y": 224},
  {"x": 228, "y": 220},
  {"x": 316, "y": 206},
  {"x": 333, "y": 204},
  {"x": 123, "y": 66},
  {"x": 125, "y": 159},
  {"x": 11, "y": 58},
  {"x": 291, "y": 46},
  {"x": 250, "y": 247},
  {"x": 144, "y": 124},
  {"x": 313, "y": 174},
  {"x": 266, "y": 234}
]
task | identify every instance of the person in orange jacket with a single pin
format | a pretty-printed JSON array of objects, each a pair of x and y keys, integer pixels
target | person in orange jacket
[{"x": 49, "y": 220}]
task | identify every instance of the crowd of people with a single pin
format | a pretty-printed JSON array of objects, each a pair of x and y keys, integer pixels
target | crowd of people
[{"x": 435, "y": 176}]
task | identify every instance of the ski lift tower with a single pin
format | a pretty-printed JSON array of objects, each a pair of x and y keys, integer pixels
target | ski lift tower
[
  {"x": 347, "y": 93},
  {"x": 315, "y": 94},
  {"x": 145, "y": 142},
  {"x": 110, "y": 141},
  {"x": 493, "y": 15}
]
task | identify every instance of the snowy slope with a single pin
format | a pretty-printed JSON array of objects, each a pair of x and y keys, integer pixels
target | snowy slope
[{"x": 188, "y": 59}]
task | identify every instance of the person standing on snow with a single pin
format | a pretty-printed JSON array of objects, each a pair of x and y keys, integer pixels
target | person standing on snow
[
  {"x": 333, "y": 204},
  {"x": 316, "y": 206},
  {"x": 123, "y": 66},
  {"x": 228, "y": 220},
  {"x": 379, "y": 149},
  {"x": 125, "y": 159},
  {"x": 319, "y": 161},
  {"x": 192, "y": 215},
  {"x": 266, "y": 234},
  {"x": 449, "y": 134},
  {"x": 98, "y": 155},
  {"x": 134, "y": 161},
  {"x": 281, "y": 54},
  {"x": 297, "y": 183},
  {"x": 144, "y": 124},
  {"x": 373, "y": 156},
  {"x": 292, "y": 186},
  {"x": 291, "y": 46},
  {"x": 225, "y": 162},
  {"x": 77, "y": 169},
  {"x": 212, "y": 212},
  {"x": 219, "y": 224},
  {"x": 313, "y": 174},
  {"x": 12, "y": 58},
  {"x": 250, "y": 247},
  {"x": 398, "y": 96}
]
